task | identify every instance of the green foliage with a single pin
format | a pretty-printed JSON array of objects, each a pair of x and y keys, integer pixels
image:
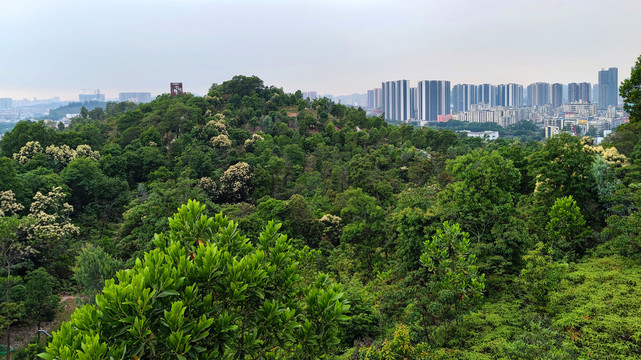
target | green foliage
[
  {"x": 540, "y": 276},
  {"x": 630, "y": 91},
  {"x": 357, "y": 196},
  {"x": 624, "y": 138},
  {"x": 567, "y": 231},
  {"x": 90, "y": 187},
  {"x": 563, "y": 168},
  {"x": 540, "y": 342},
  {"x": 411, "y": 227},
  {"x": 365, "y": 221},
  {"x": 481, "y": 200},
  {"x": 13, "y": 248},
  {"x": 9, "y": 179},
  {"x": 605, "y": 179},
  {"x": 364, "y": 322},
  {"x": 40, "y": 301},
  {"x": 93, "y": 267},
  {"x": 207, "y": 292},
  {"x": 23, "y": 132},
  {"x": 239, "y": 85},
  {"x": 149, "y": 212},
  {"x": 598, "y": 307},
  {"x": 397, "y": 348},
  {"x": 623, "y": 234},
  {"x": 31, "y": 352},
  {"x": 450, "y": 284}
]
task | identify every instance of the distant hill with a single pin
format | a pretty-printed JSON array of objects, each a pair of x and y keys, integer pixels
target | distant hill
[{"x": 74, "y": 108}]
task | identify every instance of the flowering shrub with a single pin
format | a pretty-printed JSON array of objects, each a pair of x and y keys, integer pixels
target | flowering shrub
[{"x": 61, "y": 155}]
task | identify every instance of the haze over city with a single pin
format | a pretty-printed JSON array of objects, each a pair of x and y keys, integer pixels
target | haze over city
[{"x": 333, "y": 47}]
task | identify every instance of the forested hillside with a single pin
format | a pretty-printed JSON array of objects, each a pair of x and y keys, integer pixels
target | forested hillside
[{"x": 253, "y": 224}]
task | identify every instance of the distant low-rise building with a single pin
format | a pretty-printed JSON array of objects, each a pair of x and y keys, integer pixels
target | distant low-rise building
[
  {"x": 504, "y": 116},
  {"x": 583, "y": 108}
]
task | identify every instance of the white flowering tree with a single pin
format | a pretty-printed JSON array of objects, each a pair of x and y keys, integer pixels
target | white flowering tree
[
  {"x": 208, "y": 185},
  {"x": 47, "y": 221},
  {"x": 234, "y": 184},
  {"x": 59, "y": 155},
  {"x": 27, "y": 152},
  {"x": 221, "y": 141},
  {"x": 49, "y": 216},
  {"x": 8, "y": 204}
]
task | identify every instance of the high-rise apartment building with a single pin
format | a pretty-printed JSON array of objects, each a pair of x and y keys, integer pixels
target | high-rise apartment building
[
  {"x": 585, "y": 90},
  {"x": 375, "y": 99},
  {"x": 538, "y": 94},
  {"x": 378, "y": 98},
  {"x": 6, "y": 103},
  {"x": 413, "y": 103},
  {"x": 510, "y": 95},
  {"x": 463, "y": 96},
  {"x": 396, "y": 100},
  {"x": 370, "y": 99},
  {"x": 557, "y": 95},
  {"x": 608, "y": 87},
  {"x": 433, "y": 99},
  {"x": 486, "y": 94},
  {"x": 136, "y": 97},
  {"x": 458, "y": 98},
  {"x": 579, "y": 92}
]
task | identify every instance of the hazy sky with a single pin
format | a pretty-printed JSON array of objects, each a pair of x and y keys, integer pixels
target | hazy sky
[{"x": 55, "y": 48}]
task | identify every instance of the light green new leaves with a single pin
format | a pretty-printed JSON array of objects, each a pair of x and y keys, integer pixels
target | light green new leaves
[{"x": 206, "y": 292}]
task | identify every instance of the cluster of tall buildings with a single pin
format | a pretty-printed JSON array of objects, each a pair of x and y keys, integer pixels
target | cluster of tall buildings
[
  {"x": 399, "y": 101},
  {"x": 433, "y": 98},
  {"x": 579, "y": 92}
]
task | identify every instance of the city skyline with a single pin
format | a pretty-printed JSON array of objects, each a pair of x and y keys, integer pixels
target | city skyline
[
  {"x": 56, "y": 49},
  {"x": 90, "y": 94}
]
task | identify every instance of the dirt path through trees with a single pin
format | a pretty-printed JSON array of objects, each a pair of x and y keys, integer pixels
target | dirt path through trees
[{"x": 20, "y": 336}]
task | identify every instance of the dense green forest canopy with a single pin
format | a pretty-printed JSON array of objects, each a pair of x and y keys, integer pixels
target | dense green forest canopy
[{"x": 252, "y": 223}]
